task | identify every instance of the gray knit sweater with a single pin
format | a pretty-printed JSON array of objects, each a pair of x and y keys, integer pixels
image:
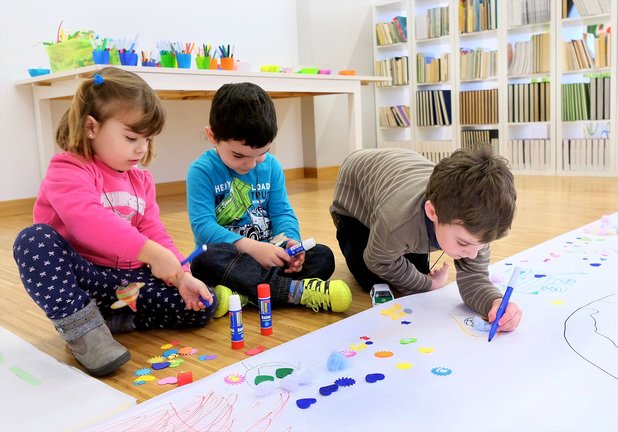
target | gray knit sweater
[{"x": 385, "y": 189}]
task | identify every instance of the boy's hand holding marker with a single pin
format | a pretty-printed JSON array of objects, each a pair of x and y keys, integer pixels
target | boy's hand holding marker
[
  {"x": 296, "y": 251},
  {"x": 504, "y": 315}
]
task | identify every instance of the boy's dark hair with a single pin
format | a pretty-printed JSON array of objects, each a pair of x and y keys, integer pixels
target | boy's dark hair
[
  {"x": 243, "y": 112},
  {"x": 476, "y": 189}
]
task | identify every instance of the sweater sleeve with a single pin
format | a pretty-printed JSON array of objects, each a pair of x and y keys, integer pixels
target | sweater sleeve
[
  {"x": 280, "y": 210},
  {"x": 71, "y": 189},
  {"x": 201, "y": 206},
  {"x": 473, "y": 282}
]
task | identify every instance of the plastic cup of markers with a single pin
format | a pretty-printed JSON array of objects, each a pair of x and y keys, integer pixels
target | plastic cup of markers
[
  {"x": 202, "y": 62},
  {"x": 168, "y": 60},
  {"x": 184, "y": 60},
  {"x": 149, "y": 64},
  {"x": 100, "y": 56},
  {"x": 214, "y": 65},
  {"x": 227, "y": 63},
  {"x": 128, "y": 58}
]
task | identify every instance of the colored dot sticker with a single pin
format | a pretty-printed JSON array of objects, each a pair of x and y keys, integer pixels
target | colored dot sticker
[
  {"x": 234, "y": 379},
  {"x": 345, "y": 382},
  {"x": 157, "y": 359},
  {"x": 207, "y": 357},
  {"x": 305, "y": 403},
  {"x": 406, "y": 341},
  {"x": 558, "y": 302},
  {"x": 404, "y": 366},
  {"x": 425, "y": 350},
  {"x": 374, "y": 377},
  {"x": 441, "y": 371},
  {"x": 383, "y": 354},
  {"x": 187, "y": 351}
]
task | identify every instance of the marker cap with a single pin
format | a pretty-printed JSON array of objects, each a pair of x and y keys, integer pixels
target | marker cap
[
  {"x": 234, "y": 302},
  {"x": 309, "y": 243},
  {"x": 263, "y": 290}
]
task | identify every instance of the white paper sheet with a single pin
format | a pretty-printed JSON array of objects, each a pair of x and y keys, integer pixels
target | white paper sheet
[
  {"x": 38, "y": 393},
  {"x": 556, "y": 372}
]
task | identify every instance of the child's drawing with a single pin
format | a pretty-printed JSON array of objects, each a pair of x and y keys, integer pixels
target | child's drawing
[{"x": 592, "y": 332}]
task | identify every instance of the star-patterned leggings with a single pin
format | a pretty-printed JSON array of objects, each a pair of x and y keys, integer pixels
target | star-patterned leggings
[{"x": 61, "y": 282}]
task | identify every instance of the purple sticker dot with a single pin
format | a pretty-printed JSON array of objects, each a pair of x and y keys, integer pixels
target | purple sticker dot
[
  {"x": 158, "y": 366},
  {"x": 406, "y": 322},
  {"x": 374, "y": 377},
  {"x": 368, "y": 343},
  {"x": 595, "y": 264},
  {"x": 539, "y": 276},
  {"x": 305, "y": 403},
  {"x": 329, "y": 389}
]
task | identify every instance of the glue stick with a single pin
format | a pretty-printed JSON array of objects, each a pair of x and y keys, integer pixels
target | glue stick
[
  {"x": 303, "y": 246},
  {"x": 266, "y": 318},
  {"x": 236, "y": 327}
]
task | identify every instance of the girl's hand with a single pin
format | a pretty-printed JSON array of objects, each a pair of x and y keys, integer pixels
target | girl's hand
[
  {"x": 511, "y": 318},
  {"x": 439, "y": 276},
  {"x": 296, "y": 262},
  {"x": 191, "y": 289},
  {"x": 268, "y": 255},
  {"x": 163, "y": 263}
]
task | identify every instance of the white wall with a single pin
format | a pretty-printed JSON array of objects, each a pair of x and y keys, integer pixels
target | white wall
[{"x": 263, "y": 32}]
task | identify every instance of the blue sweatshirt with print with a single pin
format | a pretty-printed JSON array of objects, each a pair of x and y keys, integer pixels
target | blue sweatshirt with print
[{"x": 225, "y": 206}]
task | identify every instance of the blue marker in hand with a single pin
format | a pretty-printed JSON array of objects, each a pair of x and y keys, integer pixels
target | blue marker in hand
[
  {"x": 197, "y": 252},
  {"x": 504, "y": 303}
]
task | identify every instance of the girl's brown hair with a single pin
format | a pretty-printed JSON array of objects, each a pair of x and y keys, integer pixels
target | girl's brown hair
[{"x": 104, "y": 95}]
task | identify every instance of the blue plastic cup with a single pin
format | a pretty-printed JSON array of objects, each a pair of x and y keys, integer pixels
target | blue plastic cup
[
  {"x": 128, "y": 58},
  {"x": 184, "y": 60},
  {"x": 100, "y": 56}
]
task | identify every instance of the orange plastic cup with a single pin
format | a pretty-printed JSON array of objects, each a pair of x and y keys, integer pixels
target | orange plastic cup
[{"x": 227, "y": 63}]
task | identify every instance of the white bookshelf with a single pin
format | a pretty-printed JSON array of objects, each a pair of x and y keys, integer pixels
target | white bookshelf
[{"x": 532, "y": 147}]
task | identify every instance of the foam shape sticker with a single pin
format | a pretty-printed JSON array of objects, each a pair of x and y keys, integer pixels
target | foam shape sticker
[
  {"x": 374, "y": 377},
  {"x": 329, "y": 389},
  {"x": 261, "y": 378},
  {"x": 305, "y": 403},
  {"x": 283, "y": 372}
]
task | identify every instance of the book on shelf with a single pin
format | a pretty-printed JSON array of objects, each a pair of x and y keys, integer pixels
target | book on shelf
[
  {"x": 585, "y": 154},
  {"x": 401, "y": 23}
]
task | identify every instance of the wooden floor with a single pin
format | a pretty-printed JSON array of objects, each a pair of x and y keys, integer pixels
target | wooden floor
[{"x": 547, "y": 207}]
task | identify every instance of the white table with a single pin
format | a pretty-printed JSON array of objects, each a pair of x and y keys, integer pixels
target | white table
[{"x": 189, "y": 84}]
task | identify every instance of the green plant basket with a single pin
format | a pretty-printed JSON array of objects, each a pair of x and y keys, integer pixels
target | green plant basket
[{"x": 70, "y": 54}]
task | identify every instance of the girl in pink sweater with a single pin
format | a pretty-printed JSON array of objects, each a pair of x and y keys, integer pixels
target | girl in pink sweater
[{"x": 97, "y": 236}]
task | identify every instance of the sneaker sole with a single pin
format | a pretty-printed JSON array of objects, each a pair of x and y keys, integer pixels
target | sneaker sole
[{"x": 110, "y": 367}]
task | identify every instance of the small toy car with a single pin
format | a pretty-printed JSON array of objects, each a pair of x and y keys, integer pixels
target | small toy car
[{"x": 380, "y": 293}]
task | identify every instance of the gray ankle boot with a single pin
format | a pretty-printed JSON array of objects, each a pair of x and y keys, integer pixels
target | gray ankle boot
[{"x": 91, "y": 342}]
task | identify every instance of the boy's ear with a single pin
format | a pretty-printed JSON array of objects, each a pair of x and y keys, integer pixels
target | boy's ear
[
  {"x": 92, "y": 127},
  {"x": 430, "y": 211},
  {"x": 210, "y": 135}
]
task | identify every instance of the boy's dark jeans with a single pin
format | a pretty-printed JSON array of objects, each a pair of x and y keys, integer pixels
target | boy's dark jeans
[
  {"x": 223, "y": 264},
  {"x": 353, "y": 236}
]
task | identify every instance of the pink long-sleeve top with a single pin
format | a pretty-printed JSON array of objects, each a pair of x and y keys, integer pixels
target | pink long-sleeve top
[{"x": 106, "y": 215}]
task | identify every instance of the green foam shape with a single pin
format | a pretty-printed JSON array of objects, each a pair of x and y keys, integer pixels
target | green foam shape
[
  {"x": 261, "y": 378},
  {"x": 283, "y": 372}
]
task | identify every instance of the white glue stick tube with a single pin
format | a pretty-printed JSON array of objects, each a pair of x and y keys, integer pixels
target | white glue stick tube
[{"x": 303, "y": 246}]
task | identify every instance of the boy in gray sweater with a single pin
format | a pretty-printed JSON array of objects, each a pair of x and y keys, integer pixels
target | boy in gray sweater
[{"x": 392, "y": 207}]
